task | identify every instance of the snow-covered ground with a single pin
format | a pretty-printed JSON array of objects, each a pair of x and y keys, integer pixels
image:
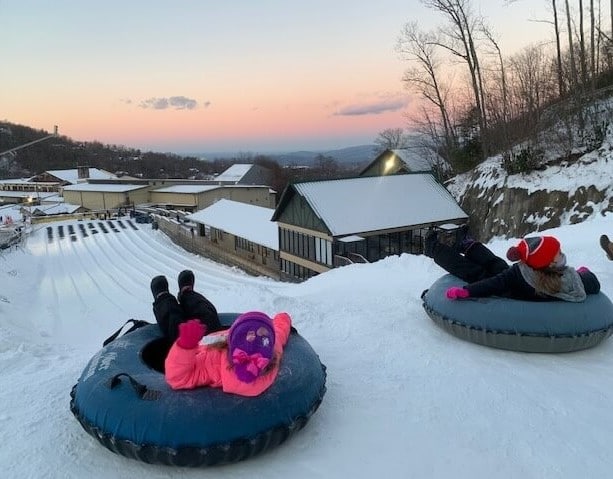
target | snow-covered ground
[{"x": 405, "y": 399}]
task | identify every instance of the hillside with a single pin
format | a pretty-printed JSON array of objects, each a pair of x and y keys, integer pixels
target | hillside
[
  {"x": 61, "y": 152},
  {"x": 512, "y": 205}
]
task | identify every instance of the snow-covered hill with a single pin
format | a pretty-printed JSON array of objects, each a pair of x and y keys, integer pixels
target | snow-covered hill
[{"x": 404, "y": 399}]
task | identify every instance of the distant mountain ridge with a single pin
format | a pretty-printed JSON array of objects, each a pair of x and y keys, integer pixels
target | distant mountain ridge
[
  {"x": 349, "y": 155},
  {"x": 360, "y": 154}
]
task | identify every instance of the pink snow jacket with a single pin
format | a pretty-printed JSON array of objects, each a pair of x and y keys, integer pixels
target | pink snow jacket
[{"x": 211, "y": 366}]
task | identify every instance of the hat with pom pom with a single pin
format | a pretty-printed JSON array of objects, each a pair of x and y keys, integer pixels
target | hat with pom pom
[
  {"x": 251, "y": 344},
  {"x": 538, "y": 252}
]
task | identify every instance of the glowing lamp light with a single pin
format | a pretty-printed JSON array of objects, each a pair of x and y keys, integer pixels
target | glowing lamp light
[{"x": 389, "y": 164}]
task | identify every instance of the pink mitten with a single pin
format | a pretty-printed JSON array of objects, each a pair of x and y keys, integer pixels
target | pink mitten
[
  {"x": 583, "y": 269},
  {"x": 190, "y": 334},
  {"x": 457, "y": 293}
]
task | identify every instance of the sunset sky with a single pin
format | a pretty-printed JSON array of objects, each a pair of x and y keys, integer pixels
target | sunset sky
[{"x": 209, "y": 76}]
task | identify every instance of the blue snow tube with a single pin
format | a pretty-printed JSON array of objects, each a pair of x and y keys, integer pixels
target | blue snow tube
[
  {"x": 529, "y": 326},
  {"x": 123, "y": 401}
]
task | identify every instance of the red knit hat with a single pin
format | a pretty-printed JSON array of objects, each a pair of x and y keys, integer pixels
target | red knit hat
[{"x": 537, "y": 252}]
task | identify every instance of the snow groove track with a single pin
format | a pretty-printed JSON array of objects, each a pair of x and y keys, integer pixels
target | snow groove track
[{"x": 80, "y": 262}]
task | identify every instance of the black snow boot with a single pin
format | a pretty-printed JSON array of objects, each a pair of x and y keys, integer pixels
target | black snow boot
[
  {"x": 159, "y": 285},
  {"x": 607, "y": 246},
  {"x": 186, "y": 279}
]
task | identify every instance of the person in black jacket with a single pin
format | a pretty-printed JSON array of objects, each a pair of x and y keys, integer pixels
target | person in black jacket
[
  {"x": 170, "y": 311},
  {"x": 539, "y": 272}
]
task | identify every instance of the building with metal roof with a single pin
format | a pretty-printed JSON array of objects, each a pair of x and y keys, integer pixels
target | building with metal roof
[
  {"x": 229, "y": 232},
  {"x": 249, "y": 222},
  {"x": 324, "y": 224},
  {"x": 406, "y": 160},
  {"x": 196, "y": 197},
  {"x": 105, "y": 196},
  {"x": 74, "y": 175},
  {"x": 245, "y": 174}
]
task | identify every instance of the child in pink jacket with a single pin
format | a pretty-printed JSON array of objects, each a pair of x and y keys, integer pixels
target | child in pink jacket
[{"x": 244, "y": 361}]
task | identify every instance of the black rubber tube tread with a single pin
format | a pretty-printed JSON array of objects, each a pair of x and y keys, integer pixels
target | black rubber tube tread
[
  {"x": 213, "y": 455},
  {"x": 519, "y": 342}
]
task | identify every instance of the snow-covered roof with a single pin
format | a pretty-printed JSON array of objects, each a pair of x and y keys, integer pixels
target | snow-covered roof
[
  {"x": 194, "y": 189},
  {"x": 56, "y": 209},
  {"x": 416, "y": 159},
  {"x": 351, "y": 239},
  {"x": 103, "y": 187},
  {"x": 234, "y": 173},
  {"x": 25, "y": 194},
  {"x": 52, "y": 199},
  {"x": 72, "y": 176},
  {"x": 241, "y": 219},
  {"x": 17, "y": 181},
  {"x": 357, "y": 205}
]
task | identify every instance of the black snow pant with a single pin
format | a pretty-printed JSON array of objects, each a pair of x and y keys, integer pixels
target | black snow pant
[
  {"x": 169, "y": 313},
  {"x": 477, "y": 263}
]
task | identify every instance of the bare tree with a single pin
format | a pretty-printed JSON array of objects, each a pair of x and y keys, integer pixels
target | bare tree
[
  {"x": 461, "y": 42},
  {"x": 532, "y": 85},
  {"x": 419, "y": 48},
  {"x": 390, "y": 139},
  {"x": 503, "y": 77}
]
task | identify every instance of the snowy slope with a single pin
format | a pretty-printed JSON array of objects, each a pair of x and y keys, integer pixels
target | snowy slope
[{"x": 405, "y": 399}]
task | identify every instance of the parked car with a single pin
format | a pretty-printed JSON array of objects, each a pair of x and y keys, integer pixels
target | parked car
[{"x": 143, "y": 218}]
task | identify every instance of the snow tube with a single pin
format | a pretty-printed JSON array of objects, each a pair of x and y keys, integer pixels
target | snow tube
[
  {"x": 123, "y": 401},
  {"x": 528, "y": 326}
]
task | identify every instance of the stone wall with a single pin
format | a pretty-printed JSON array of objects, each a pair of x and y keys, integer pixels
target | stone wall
[
  {"x": 498, "y": 207},
  {"x": 522, "y": 212}
]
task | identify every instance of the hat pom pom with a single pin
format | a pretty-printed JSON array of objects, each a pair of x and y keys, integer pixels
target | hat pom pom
[{"x": 513, "y": 254}]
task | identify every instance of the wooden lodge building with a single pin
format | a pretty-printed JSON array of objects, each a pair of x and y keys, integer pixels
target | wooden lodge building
[{"x": 324, "y": 224}]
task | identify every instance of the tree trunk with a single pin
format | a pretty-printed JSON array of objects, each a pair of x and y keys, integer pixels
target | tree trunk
[
  {"x": 571, "y": 47},
  {"x": 558, "y": 48},
  {"x": 582, "y": 46},
  {"x": 419, "y": 47},
  {"x": 593, "y": 69}
]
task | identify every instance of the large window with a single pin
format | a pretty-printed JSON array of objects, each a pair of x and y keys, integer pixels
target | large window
[
  {"x": 295, "y": 270},
  {"x": 323, "y": 251},
  {"x": 306, "y": 246}
]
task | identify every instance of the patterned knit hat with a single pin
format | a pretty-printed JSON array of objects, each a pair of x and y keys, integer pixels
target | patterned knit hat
[
  {"x": 251, "y": 343},
  {"x": 538, "y": 252}
]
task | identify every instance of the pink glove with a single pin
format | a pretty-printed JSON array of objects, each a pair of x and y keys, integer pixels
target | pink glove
[
  {"x": 190, "y": 334},
  {"x": 457, "y": 293},
  {"x": 583, "y": 269}
]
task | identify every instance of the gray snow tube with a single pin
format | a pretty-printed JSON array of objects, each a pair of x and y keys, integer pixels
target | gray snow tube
[{"x": 528, "y": 326}]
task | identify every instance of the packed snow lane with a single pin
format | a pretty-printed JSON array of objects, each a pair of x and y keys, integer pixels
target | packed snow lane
[{"x": 79, "y": 263}]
